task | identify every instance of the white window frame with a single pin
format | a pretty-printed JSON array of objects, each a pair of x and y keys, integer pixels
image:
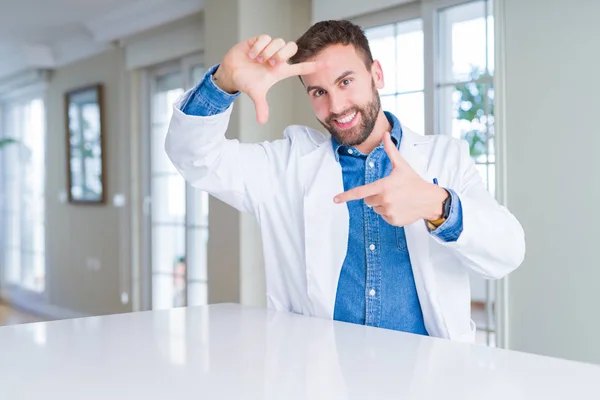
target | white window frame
[
  {"x": 428, "y": 11},
  {"x": 147, "y": 76},
  {"x": 33, "y": 87}
]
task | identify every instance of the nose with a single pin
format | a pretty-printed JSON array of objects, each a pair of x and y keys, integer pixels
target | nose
[{"x": 337, "y": 104}]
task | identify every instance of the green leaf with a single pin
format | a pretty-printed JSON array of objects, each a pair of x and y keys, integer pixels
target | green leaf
[
  {"x": 6, "y": 141},
  {"x": 476, "y": 140},
  {"x": 472, "y": 108}
]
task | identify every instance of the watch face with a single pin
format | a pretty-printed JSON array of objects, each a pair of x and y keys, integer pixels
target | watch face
[{"x": 447, "y": 206}]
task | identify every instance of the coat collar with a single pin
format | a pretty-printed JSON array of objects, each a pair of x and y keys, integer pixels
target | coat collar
[
  {"x": 396, "y": 136},
  {"x": 409, "y": 143}
]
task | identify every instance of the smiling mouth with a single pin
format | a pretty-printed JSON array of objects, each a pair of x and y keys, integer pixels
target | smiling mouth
[{"x": 346, "y": 121}]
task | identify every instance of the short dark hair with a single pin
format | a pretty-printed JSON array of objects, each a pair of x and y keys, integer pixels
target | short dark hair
[{"x": 326, "y": 33}]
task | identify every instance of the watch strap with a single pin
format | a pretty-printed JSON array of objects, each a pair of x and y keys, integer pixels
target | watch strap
[{"x": 446, "y": 207}]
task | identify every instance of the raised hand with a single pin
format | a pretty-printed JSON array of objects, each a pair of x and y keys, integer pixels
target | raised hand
[
  {"x": 255, "y": 65},
  {"x": 402, "y": 197}
]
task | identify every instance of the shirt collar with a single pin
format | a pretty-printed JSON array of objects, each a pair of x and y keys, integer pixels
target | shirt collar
[{"x": 396, "y": 137}]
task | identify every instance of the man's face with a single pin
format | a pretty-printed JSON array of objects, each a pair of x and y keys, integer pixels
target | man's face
[{"x": 344, "y": 95}]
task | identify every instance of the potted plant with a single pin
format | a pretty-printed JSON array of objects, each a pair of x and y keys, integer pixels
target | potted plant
[{"x": 472, "y": 107}]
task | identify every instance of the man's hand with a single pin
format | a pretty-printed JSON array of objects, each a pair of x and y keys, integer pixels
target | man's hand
[
  {"x": 255, "y": 65},
  {"x": 401, "y": 198}
]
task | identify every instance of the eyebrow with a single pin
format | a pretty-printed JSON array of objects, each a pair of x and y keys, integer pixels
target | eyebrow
[{"x": 339, "y": 78}]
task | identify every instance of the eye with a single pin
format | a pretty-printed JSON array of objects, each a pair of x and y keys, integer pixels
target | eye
[
  {"x": 318, "y": 93},
  {"x": 346, "y": 82}
]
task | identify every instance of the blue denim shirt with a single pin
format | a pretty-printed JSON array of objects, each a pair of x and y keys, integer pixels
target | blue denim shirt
[
  {"x": 376, "y": 285},
  {"x": 207, "y": 98}
]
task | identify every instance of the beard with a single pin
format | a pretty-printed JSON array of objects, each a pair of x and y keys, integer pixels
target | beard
[{"x": 359, "y": 133}]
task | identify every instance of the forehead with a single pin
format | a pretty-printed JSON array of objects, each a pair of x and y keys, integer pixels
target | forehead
[{"x": 338, "y": 59}]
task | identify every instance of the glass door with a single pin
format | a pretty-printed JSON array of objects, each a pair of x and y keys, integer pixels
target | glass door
[
  {"x": 176, "y": 214},
  {"x": 22, "y": 211},
  {"x": 399, "y": 49}
]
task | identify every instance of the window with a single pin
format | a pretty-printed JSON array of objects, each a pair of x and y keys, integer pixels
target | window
[
  {"x": 177, "y": 236},
  {"x": 438, "y": 66},
  {"x": 465, "y": 96},
  {"x": 22, "y": 199},
  {"x": 399, "y": 49},
  {"x": 464, "y": 84}
]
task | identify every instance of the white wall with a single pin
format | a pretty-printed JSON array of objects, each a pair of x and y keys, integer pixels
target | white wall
[
  {"x": 76, "y": 234},
  {"x": 165, "y": 43},
  {"x": 553, "y": 136},
  {"x": 345, "y": 9}
]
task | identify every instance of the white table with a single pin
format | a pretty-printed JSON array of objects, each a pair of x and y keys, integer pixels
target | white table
[{"x": 232, "y": 352}]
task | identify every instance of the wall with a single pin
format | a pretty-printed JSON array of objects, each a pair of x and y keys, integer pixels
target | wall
[
  {"x": 80, "y": 235},
  {"x": 344, "y": 9},
  {"x": 165, "y": 43},
  {"x": 552, "y": 137},
  {"x": 77, "y": 235},
  {"x": 223, "y": 256}
]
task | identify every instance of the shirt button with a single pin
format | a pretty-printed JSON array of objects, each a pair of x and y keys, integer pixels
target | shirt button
[
  {"x": 372, "y": 247},
  {"x": 350, "y": 151},
  {"x": 372, "y": 292},
  {"x": 371, "y": 164}
]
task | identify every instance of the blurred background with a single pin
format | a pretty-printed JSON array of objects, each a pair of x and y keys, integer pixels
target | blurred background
[{"x": 94, "y": 219}]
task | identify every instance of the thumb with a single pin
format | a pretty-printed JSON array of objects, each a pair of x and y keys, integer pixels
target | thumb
[
  {"x": 392, "y": 150},
  {"x": 261, "y": 106}
]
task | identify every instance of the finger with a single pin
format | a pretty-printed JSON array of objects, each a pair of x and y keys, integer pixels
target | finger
[
  {"x": 374, "y": 201},
  {"x": 303, "y": 68},
  {"x": 285, "y": 53},
  {"x": 380, "y": 210},
  {"x": 389, "y": 220},
  {"x": 270, "y": 50},
  {"x": 384, "y": 213},
  {"x": 259, "y": 45},
  {"x": 391, "y": 150},
  {"x": 359, "y": 192},
  {"x": 261, "y": 106}
]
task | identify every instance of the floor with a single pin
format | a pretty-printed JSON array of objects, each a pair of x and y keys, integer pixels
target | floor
[{"x": 10, "y": 316}]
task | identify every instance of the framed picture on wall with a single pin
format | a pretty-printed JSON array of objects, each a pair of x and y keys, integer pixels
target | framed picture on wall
[{"x": 84, "y": 120}]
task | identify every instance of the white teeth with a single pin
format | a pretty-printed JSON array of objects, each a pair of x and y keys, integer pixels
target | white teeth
[{"x": 347, "y": 119}]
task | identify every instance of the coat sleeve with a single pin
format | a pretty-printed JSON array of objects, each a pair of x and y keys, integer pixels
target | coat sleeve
[
  {"x": 492, "y": 242},
  {"x": 240, "y": 175}
]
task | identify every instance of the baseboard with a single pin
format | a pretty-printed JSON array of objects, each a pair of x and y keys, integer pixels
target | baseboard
[{"x": 35, "y": 305}]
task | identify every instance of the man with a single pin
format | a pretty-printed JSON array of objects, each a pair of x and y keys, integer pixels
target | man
[{"x": 375, "y": 225}]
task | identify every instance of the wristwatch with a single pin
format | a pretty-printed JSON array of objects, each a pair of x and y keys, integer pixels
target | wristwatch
[{"x": 446, "y": 206}]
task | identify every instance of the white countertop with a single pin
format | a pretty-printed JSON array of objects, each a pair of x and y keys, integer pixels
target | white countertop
[{"x": 232, "y": 352}]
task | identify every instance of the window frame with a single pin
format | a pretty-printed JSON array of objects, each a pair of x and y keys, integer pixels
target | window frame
[
  {"x": 148, "y": 76},
  {"x": 428, "y": 11}
]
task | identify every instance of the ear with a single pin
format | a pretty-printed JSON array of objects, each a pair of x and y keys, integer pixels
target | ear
[{"x": 377, "y": 73}]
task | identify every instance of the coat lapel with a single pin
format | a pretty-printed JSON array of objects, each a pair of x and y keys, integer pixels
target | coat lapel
[
  {"x": 326, "y": 226},
  {"x": 414, "y": 148}
]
